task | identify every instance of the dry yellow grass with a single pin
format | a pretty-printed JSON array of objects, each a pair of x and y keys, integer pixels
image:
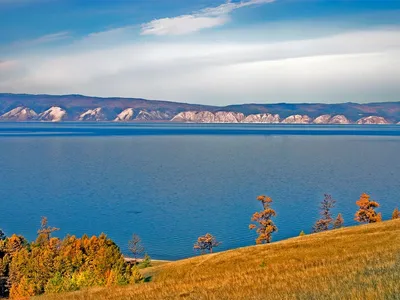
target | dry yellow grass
[{"x": 361, "y": 262}]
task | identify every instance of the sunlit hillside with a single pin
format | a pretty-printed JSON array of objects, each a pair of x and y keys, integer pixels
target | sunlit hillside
[{"x": 361, "y": 262}]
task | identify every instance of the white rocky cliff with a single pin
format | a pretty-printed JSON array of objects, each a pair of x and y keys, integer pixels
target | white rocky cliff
[
  {"x": 262, "y": 118},
  {"x": 328, "y": 119},
  {"x": 372, "y": 120},
  {"x": 152, "y": 115},
  {"x": 19, "y": 114},
  {"x": 53, "y": 114},
  {"x": 297, "y": 119},
  {"x": 125, "y": 115},
  {"x": 96, "y": 114},
  {"x": 208, "y": 117}
]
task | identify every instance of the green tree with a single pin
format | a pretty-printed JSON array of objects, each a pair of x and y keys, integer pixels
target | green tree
[
  {"x": 325, "y": 222},
  {"x": 146, "y": 262},
  {"x": 265, "y": 226}
]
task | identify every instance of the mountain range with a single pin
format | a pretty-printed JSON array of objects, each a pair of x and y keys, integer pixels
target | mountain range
[{"x": 25, "y": 107}]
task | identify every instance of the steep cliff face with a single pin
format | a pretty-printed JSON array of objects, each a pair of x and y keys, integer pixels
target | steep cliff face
[
  {"x": 152, "y": 115},
  {"x": 19, "y": 114},
  {"x": 208, "y": 117},
  {"x": 228, "y": 117},
  {"x": 125, "y": 115},
  {"x": 53, "y": 114},
  {"x": 372, "y": 120},
  {"x": 324, "y": 119},
  {"x": 328, "y": 119},
  {"x": 96, "y": 114},
  {"x": 297, "y": 119},
  {"x": 262, "y": 118},
  {"x": 187, "y": 116}
]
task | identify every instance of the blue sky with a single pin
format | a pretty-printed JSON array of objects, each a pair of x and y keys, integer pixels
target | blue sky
[{"x": 203, "y": 51}]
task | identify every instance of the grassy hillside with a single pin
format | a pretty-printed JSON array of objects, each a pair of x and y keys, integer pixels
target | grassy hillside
[{"x": 360, "y": 262}]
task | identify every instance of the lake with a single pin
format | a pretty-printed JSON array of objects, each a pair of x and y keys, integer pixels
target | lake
[{"x": 170, "y": 183}]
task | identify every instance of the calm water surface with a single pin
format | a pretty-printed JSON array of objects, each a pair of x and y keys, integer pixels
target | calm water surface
[{"x": 172, "y": 183}]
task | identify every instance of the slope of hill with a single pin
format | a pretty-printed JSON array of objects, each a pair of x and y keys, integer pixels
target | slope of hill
[{"x": 361, "y": 262}]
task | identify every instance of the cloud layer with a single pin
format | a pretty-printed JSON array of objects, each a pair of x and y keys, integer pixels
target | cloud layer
[
  {"x": 359, "y": 66},
  {"x": 206, "y": 18}
]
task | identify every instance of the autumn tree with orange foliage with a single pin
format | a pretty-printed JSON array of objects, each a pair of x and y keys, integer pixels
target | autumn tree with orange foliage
[
  {"x": 53, "y": 265},
  {"x": 396, "y": 214},
  {"x": 265, "y": 227},
  {"x": 338, "y": 223},
  {"x": 366, "y": 212},
  {"x": 45, "y": 231},
  {"x": 206, "y": 243}
]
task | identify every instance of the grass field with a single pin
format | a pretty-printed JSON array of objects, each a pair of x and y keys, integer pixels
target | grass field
[{"x": 361, "y": 262}]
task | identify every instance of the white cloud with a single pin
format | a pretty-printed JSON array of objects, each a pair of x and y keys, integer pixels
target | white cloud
[
  {"x": 181, "y": 25},
  {"x": 358, "y": 66},
  {"x": 45, "y": 39},
  {"x": 206, "y": 18}
]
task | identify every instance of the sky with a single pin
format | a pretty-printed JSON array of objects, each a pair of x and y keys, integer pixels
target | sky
[{"x": 203, "y": 51}]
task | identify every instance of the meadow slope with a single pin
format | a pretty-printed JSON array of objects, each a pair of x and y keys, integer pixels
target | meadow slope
[{"x": 361, "y": 262}]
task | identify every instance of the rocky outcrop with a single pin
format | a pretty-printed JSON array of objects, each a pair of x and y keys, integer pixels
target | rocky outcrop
[
  {"x": 228, "y": 117},
  {"x": 208, "y": 117},
  {"x": 328, "y": 119},
  {"x": 96, "y": 114},
  {"x": 53, "y": 114},
  {"x": 262, "y": 118},
  {"x": 339, "y": 119},
  {"x": 297, "y": 119},
  {"x": 152, "y": 115},
  {"x": 372, "y": 120},
  {"x": 125, "y": 116},
  {"x": 19, "y": 114},
  {"x": 193, "y": 116},
  {"x": 324, "y": 119}
]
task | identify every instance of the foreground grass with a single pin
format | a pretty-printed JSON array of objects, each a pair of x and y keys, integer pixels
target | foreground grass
[{"x": 361, "y": 262}]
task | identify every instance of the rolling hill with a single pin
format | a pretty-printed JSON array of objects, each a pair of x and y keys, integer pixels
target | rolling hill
[{"x": 361, "y": 262}]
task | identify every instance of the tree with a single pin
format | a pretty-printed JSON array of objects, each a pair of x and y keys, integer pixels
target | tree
[
  {"x": 265, "y": 226},
  {"x": 45, "y": 231},
  {"x": 325, "y": 222},
  {"x": 366, "y": 212},
  {"x": 2, "y": 235},
  {"x": 206, "y": 243},
  {"x": 396, "y": 214},
  {"x": 338, "y": 223},
  {"x": 146, "y": 262},
  {"x": 135, "y": 247},
  {"x": 302, "y": 233}
]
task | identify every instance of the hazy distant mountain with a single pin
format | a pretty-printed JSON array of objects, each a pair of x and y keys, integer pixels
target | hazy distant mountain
[{"x": 86, "y": 108}]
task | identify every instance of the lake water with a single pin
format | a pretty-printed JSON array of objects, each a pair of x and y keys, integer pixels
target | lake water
[{"x": 170, "y": 183}]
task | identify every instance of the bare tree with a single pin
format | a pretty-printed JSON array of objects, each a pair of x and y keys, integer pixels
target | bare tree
[
  {"x": 135, "y": 247},
  {"x": 326, "y": 220}
]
